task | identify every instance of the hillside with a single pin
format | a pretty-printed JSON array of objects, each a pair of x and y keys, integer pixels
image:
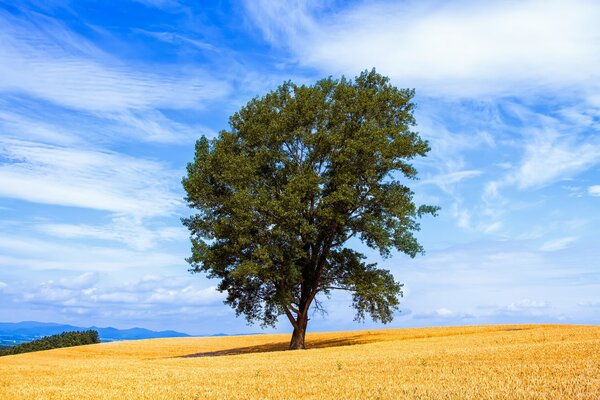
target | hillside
[{"x": 517, "y": 362}]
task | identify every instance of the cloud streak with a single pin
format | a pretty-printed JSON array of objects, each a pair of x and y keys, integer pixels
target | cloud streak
[{"x": 558, "y": 244}]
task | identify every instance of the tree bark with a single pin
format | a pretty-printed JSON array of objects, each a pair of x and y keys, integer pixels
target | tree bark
[{"x": 297, "y": 342}]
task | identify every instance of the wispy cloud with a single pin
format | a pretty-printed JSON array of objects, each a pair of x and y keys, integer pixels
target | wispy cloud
[
  {"x": 594, "y": 190},
  {"x": 283, "y": 20},
  {"x": 551, "y": 156},
  {"x": 512, "y": 275},
  {"x": 85, "y": 291},
  {"x": 21, "y": 253},
  {"x": 558, "y": 244},
  {"x": 451, "y": 178},
  {"x": 526, "y": 305},
  {"x": 133, "y": 232},
  {"x": 78, "y": 282},
  {"x": 177, "y": 38},
  {"x": 162, "y": 4},
  {"x": 447, "y": 166},
  {"x": 98, "y": 180},
  {"x": 18, "y": 122},
  {"x": 92, "y": 296},
  {"x": 48, "y": 61},
  {"x": 444, "y": 313},
  {"x": 25, "y": 118}
]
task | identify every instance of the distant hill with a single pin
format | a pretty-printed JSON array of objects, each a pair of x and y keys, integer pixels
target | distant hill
[{"x": 21, "y": 332}]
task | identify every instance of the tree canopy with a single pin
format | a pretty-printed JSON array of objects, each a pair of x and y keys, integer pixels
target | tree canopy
[{"x": 301, "y": 171}]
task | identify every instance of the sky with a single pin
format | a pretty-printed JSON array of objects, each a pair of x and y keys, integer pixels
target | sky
[{"x": 101, "y": 103}]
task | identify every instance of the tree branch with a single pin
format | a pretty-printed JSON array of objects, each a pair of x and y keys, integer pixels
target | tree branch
[
  {"x": 340, "y": 242},
  {"x": 337, "y": 288},
  {"x": 290, "y": 317}
]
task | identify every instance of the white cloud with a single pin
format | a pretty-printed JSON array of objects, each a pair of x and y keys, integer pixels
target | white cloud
[
  {"x": 112, "y": 298},
  {"x": 594, "y": 190},
  {"x": 558, "y": 244},
  {"x": 474, "y": 219},
  {"x": 517, "y": 281},
  {"x": 86, "y": 178},
  {"x": 51, "y": 295},
  {"x": 444, "y": 312},
  {"x": 526, "y": 305},
  {"x": 589, "y": 303},
  {"x": 462, "y": 216},
  {"x": 82, "y": 281},
  {"x": 458, "y": 49},
  {"x": 166, "y": 292},
  {"x": 491, "y": 192},
  {"x": 188, "y": 295}
]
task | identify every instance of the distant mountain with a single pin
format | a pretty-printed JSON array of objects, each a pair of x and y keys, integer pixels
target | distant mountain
[{"x": 20, "y": 332}]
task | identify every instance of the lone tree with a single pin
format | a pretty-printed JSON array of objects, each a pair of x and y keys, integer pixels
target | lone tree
[{"x": 301, "y": 171}]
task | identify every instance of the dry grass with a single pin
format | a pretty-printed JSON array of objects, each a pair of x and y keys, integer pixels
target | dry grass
[{"x": 484, "y": 362}]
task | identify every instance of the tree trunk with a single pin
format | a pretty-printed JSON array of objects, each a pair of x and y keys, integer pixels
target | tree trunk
[{"x": 297, "y": 342}]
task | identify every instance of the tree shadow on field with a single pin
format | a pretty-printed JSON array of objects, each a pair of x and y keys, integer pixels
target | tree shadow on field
[{"x": 281, "y": 346}]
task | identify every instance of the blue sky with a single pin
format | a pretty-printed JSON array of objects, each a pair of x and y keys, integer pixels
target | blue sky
[{"x": 100, "y": 104}]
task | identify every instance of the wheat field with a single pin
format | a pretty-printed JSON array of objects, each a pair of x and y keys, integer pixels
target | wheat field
[{"x": 480, "y": 362}]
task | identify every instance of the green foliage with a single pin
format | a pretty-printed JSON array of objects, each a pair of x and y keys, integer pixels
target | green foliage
[
  {"x": 65, "y": 339},
  {"x": 301, "y": 171}
]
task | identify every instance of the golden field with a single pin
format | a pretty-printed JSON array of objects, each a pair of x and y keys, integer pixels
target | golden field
[{"x": 481, "y": 362}]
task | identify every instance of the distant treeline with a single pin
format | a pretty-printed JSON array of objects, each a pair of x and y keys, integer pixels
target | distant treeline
[{"x": 66, "y": 339}]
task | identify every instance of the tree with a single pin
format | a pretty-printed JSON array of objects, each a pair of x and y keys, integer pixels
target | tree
[{"x": 301, "y": 171}]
